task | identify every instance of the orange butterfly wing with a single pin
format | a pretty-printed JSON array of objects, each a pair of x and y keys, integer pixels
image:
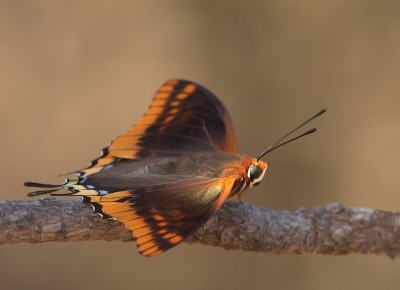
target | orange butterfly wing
[
  {"x": 161, "y": 217},
  {"x": 183, "y": 116}
]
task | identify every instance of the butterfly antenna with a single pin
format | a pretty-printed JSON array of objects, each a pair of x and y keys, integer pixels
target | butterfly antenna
[{"x": 270, "y": 148}]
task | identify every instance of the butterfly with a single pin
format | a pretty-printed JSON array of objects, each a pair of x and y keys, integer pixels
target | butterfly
[{"x": 171, "y": 172}]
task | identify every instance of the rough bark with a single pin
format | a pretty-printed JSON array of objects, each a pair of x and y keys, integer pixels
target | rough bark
[{"x": 332, "y": 230}]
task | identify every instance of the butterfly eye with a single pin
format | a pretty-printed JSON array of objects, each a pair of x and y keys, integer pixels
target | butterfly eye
[{"x": 254, "y": 172}]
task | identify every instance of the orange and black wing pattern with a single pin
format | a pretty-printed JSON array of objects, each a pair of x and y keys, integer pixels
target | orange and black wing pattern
[
  {"x": 160, "y": 216},
  {"x": 183, "y": 117}
]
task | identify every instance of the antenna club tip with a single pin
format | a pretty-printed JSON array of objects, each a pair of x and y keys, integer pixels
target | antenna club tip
[{"x": 320, "y": 113}]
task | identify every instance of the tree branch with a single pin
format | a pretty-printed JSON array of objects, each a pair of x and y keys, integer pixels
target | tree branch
[{"x": 332, "y": 230}]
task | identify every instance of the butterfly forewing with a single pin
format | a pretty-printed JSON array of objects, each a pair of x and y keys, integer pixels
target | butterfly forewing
[{"x": 183, "y": 116}]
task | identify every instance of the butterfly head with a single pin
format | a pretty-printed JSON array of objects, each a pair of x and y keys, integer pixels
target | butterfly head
[
  {"x": 251, "y": 171},
  {"x": 256, "y": 171}
]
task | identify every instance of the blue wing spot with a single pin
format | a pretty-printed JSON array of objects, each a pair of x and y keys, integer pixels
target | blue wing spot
[
  {"x": 82, "y": 180},
  {"x": 89, "y": 186},
  {"x": 108, "y": 167},
  {"x": 102, "y": 192}
]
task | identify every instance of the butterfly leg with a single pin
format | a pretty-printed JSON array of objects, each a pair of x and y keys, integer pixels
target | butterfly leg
[{"x": 240, "y": 195}]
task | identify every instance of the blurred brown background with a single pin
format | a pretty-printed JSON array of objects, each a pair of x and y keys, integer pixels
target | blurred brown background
[{"x": 75, "y": 75}]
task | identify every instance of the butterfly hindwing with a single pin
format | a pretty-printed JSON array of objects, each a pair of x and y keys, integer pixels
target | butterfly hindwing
[
  {"x": 162, "y": 216},
  {"x": 162, "y": 200}
]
